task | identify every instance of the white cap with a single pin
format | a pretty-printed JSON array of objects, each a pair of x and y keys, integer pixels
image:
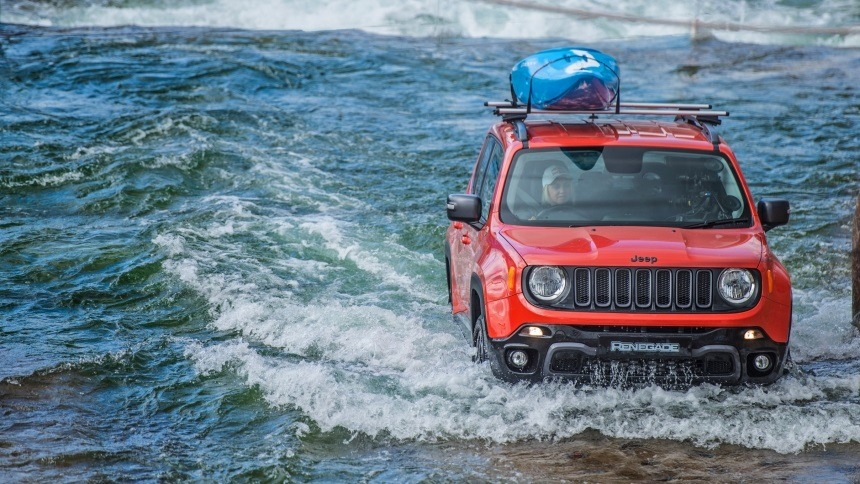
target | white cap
[{"x": 553, "y": 172}]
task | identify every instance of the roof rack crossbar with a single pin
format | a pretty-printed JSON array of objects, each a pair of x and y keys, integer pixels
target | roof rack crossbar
[
  {"x": 638, "y": 112},
  {"x": 699, "y": 115},
  {"x": 509, "y": 104}
]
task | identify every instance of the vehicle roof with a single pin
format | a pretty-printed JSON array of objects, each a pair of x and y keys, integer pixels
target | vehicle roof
[{"x": 549, "y": 133}]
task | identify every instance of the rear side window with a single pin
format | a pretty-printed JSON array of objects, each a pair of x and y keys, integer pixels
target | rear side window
[
  {"x": 481, "y": 167},
  {"x": 491, "y": 177}
]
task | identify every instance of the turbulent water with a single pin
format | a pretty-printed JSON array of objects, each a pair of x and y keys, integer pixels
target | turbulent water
[
  {"x": 468, "y": 18},
  {"x": 221, "y": 249}
]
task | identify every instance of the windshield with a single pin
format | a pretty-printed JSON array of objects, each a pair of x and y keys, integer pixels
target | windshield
[{"x": 622, "y": 186}]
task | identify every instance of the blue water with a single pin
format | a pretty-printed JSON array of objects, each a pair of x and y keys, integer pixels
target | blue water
[{"x": 221, "y": 258}]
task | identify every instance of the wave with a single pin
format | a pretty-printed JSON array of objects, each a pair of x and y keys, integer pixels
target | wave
[
  {"x": 305, "y": 329},
  {"x": 442, "y": 400},
  {"x": 532, "y": 19}
]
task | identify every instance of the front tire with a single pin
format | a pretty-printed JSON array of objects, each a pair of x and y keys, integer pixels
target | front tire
[
  {"x": 448, "y": 280},
  {"x": 479, "y": 337}
]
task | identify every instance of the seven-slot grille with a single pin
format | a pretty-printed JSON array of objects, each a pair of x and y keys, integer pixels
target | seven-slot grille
[{"x": 641, "y": 289}]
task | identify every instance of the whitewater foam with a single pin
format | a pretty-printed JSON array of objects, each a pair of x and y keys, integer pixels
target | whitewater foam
[
  {"x": 822, "y": 328},
  {"x": 468, "y": 19},
  {"x": 468, "y": 403},
  {"x": 388, "y": 372}
]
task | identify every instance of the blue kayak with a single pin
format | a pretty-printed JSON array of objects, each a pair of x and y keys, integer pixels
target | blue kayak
[{"x": 567, "y": 78}]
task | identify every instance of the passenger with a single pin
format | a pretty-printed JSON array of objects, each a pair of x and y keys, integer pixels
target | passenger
[{"x": 557, "y": 186}]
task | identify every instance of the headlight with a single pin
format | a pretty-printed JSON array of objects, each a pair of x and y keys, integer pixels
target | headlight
[
  {"x": 736, "y": 286},
  {"x": 547, "y": 283}
]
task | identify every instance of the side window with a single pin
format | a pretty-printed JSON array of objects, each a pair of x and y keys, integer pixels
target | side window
[
  {"x": 490, "y": 179},
  {"x": 481, "y": 167}
]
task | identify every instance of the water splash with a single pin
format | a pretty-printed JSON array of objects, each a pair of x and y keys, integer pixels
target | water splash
[{"x": 451, "y": 18}]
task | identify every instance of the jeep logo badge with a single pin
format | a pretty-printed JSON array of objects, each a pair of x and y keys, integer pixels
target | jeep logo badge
[
  {"x": 639, "y": 258},
  {"x": 645, "y": 347}
]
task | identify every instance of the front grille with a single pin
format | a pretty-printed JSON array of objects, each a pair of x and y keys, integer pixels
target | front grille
[
  {"x": 642, "y": 289},
  {"x": 703, "y": 288},
  {"x": 622, "y": 288},
  {"x": 583, "y": 286},
  {"x": 683, "y": 288},
  {"x": 567, "y": 362},
  {"x": 664, "y": 288},
  {"x": 609, "y": 371},
  {"x": 662, "y": 330},
  {"x": 718, "y": 367},
  {"x": 602, "y": 287}
]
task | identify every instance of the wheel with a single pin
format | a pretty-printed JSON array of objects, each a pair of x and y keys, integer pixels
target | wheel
[
  {"x": 448, "y": 278},
  {"x": 479, "y": 336}
]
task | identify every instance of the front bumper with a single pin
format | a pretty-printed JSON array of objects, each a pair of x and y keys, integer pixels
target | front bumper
[{"x": 604, "y": 355}]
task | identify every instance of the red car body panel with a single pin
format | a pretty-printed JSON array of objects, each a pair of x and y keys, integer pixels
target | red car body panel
[
  {"x": 493, "y": 258},
  {"x": 613, "y": 246}
]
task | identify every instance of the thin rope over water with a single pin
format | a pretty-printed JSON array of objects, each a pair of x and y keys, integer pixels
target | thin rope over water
[{"x": 694, "y": 24}]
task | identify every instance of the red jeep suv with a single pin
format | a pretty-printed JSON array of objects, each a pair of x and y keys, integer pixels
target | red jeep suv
[{"x": 614, "y": 251}]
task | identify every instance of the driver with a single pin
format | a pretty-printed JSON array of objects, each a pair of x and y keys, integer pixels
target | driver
[
  {"x": 557, "y": 186},
  {"x": 557, "y": 189}
]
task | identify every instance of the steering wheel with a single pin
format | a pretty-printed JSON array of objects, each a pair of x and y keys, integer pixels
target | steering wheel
[{"x": 566, "y": 208}]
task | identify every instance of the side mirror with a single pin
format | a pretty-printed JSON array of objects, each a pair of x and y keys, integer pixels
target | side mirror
[
  {"x": 464, "y": 208},
  {"x": 773, "y": 212}
]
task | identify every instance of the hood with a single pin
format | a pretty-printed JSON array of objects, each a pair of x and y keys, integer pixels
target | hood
[{"x": 635, "y": 246}]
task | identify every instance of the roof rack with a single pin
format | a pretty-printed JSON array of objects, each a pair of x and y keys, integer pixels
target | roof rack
[
  {"x": 701, "y": 116},
  {"x": 505, "y": 108}
]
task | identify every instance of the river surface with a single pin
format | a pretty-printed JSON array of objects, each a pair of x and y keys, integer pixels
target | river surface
[{"x": 221, "y": 254}]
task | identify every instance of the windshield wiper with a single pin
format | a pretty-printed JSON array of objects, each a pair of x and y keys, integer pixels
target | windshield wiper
[{"x": 714, "y": 223}]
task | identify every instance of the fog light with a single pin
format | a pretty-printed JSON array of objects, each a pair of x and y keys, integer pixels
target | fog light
[
  {"x": 753, "y": 334},
  {"x": 518, "y": 358},
  {"x": 762, "y": 362},
  {"x": 533, "y": 331}
]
